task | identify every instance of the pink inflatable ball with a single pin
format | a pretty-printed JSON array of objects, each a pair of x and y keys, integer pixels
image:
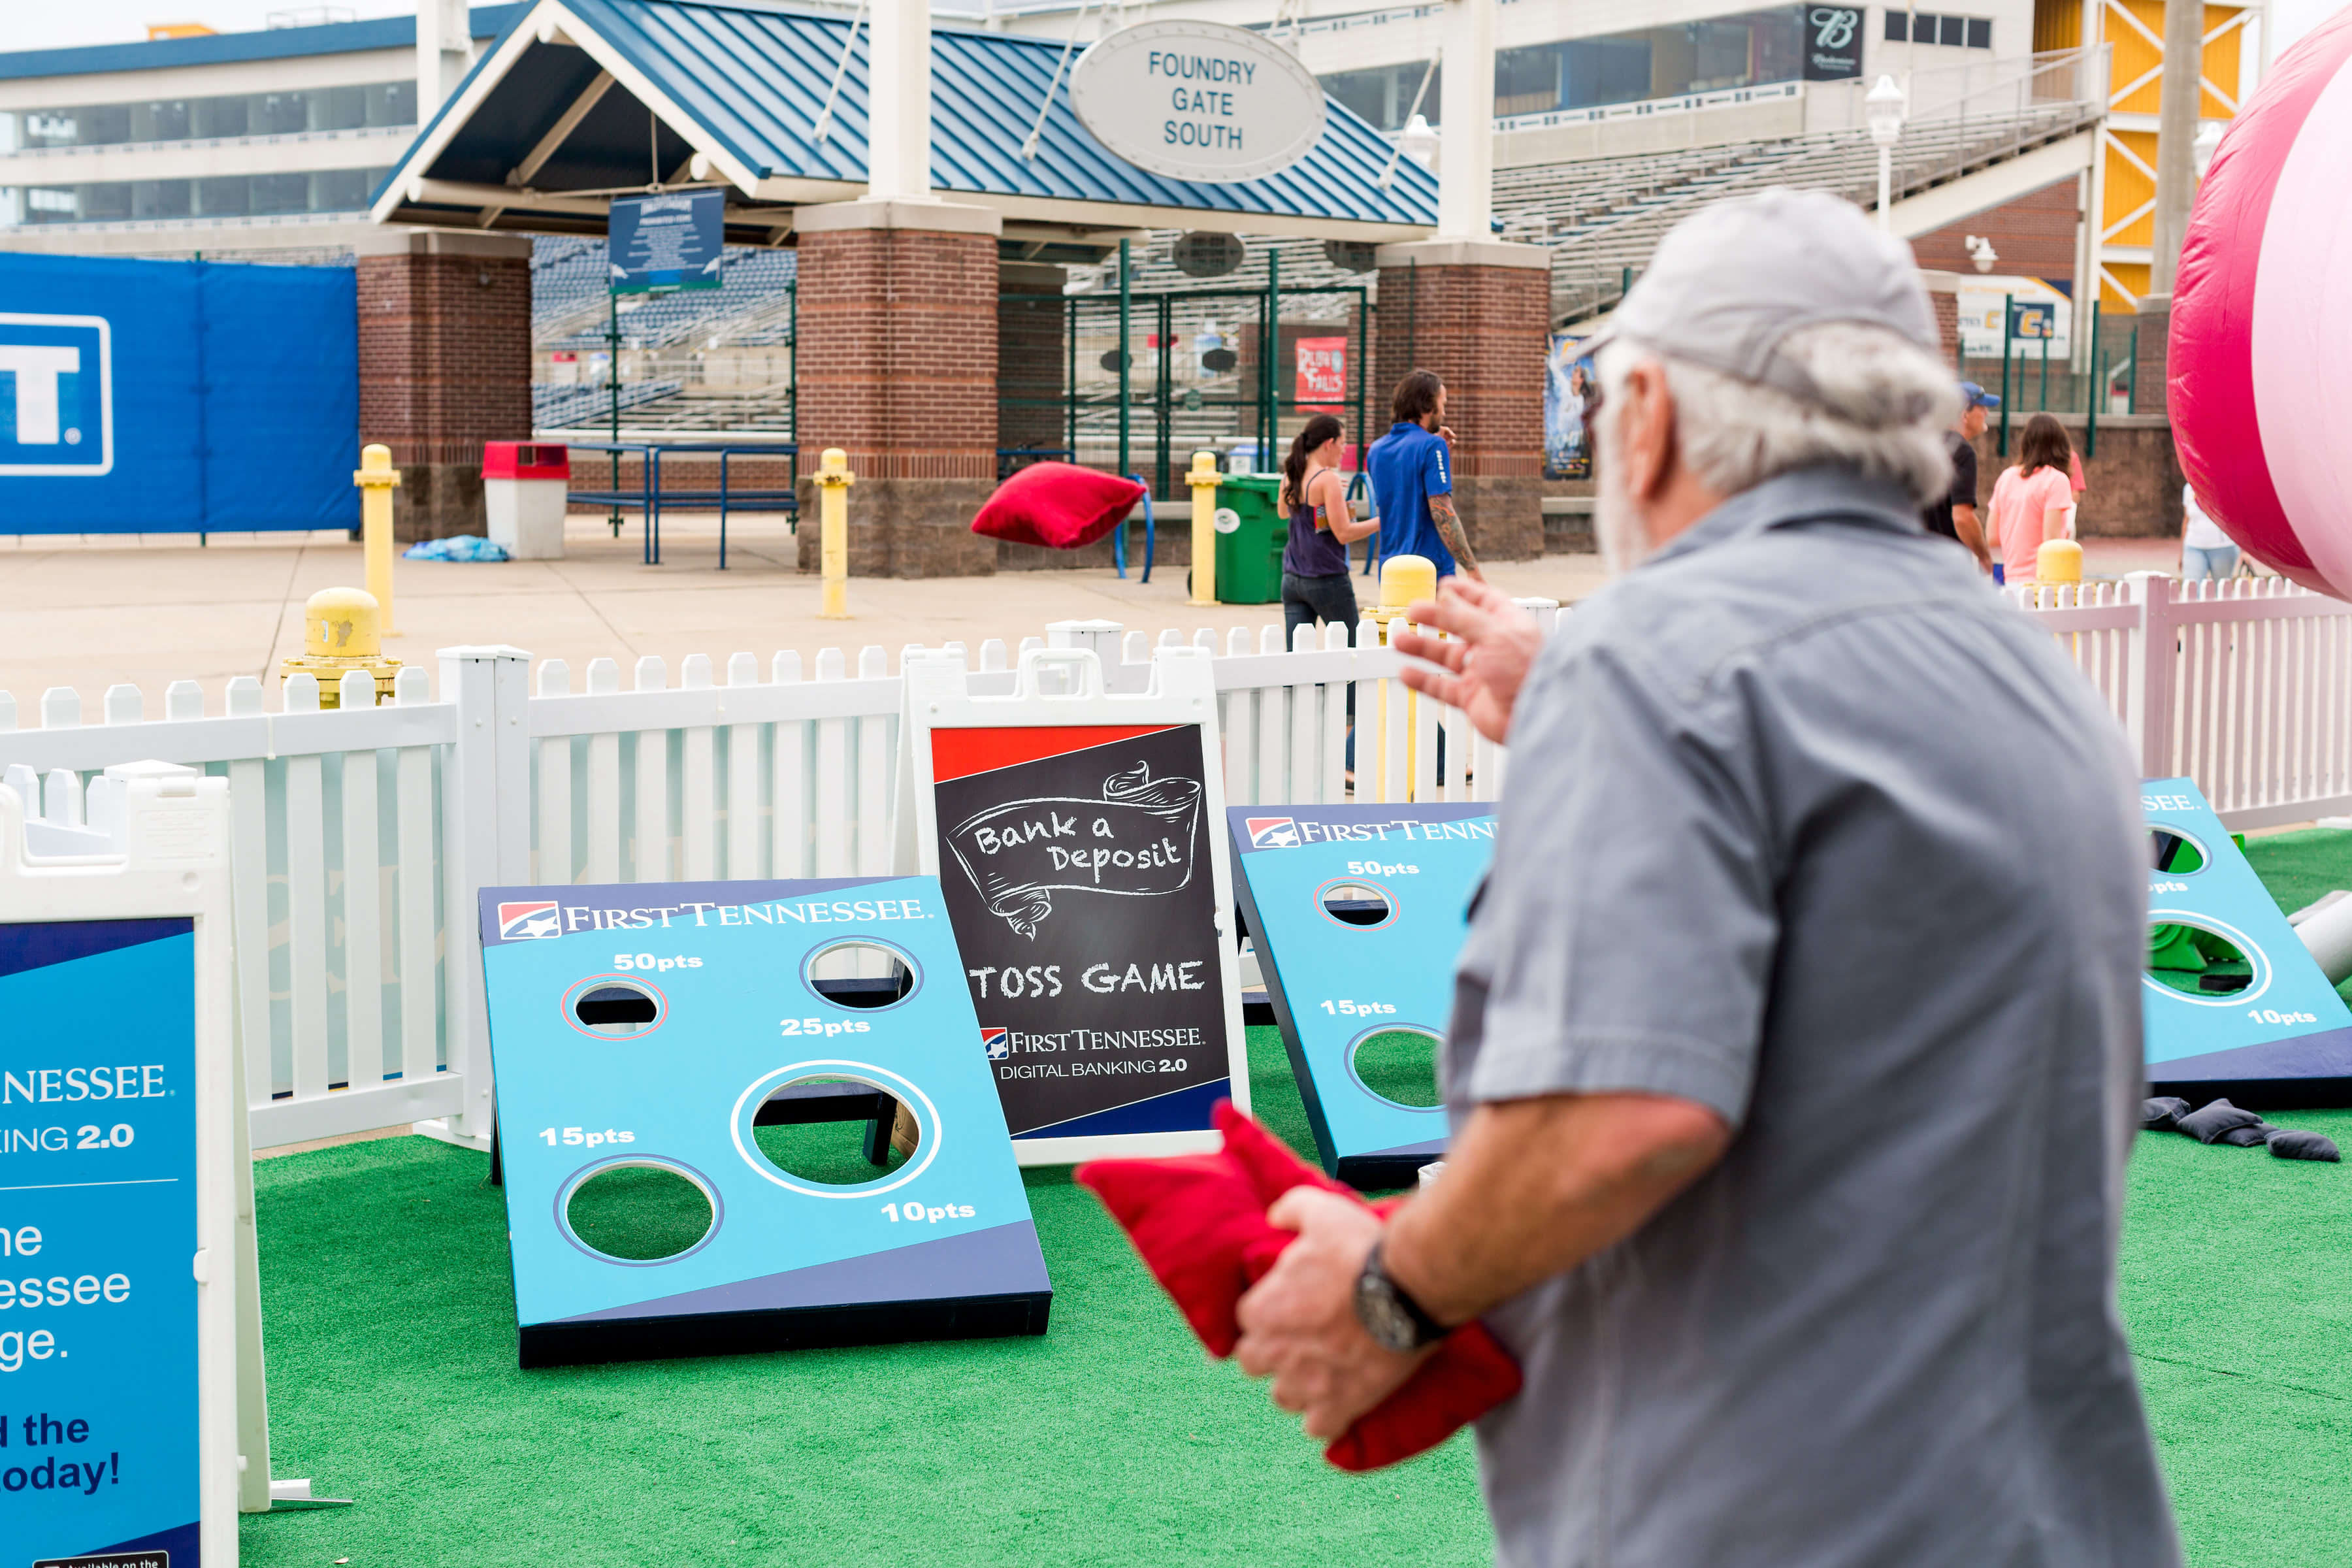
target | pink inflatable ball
[{"x": 2259, "y": 377}]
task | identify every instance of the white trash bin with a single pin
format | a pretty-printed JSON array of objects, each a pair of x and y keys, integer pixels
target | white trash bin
[{"x": 524, "y": 484}]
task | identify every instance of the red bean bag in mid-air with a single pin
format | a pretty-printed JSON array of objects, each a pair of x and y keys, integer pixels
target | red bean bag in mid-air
[
  {"x": 1058, "y": 505},
  {"x": 1199, "y": 1221}
]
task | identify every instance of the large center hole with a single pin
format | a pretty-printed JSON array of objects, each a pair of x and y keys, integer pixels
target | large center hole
[
  {"x": 1357, "y": 903},
  {"x": 2197, "y": 961},
  {"x": 2174, "y": 853},
  {"x": 618, "y": 1008},
  {"x": 860, "y": 974},
  {"x": 1399, "y": 1066},
  {"x": 640, "y": 1214},
  {"x": 839, "y": 1132}
]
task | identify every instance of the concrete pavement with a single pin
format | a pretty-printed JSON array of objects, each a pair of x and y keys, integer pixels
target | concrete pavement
[{"x": 88, "y": 614}]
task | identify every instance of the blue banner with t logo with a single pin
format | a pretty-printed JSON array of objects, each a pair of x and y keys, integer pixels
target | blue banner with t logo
[{"x": 177, "y": 396}]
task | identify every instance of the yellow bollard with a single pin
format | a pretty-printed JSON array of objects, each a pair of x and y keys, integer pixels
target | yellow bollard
[
  {"x": 1404, "y": 579},
  {"x": 376, "y": 479},
  {"x": 1202, "y": 478},
  {"x": 2058, "y": 560},
  {"x": 833, "y": 481},
  {"x": 342, "y": 630}
]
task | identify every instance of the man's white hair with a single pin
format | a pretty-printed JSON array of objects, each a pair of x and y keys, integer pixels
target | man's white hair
[{"x": 1884, "y": 403}]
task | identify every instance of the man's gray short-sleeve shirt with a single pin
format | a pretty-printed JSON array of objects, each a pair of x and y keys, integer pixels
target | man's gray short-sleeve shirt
[{"x": 1806, "y": 825}]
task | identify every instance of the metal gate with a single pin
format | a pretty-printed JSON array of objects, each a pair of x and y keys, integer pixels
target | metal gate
[{"x": 1145, "y": 379}]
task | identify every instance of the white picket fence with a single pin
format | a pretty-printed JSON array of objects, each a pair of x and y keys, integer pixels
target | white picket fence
[
  {"x": 2245, "y": 685},
  {"x": 364, "y": 833}
]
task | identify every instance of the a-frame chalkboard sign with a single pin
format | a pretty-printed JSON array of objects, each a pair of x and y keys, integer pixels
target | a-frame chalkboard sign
[{"x": 1078, "y": 841}]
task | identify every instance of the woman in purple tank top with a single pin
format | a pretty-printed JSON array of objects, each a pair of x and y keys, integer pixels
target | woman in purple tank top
[{"x": 1314, "y": 582}]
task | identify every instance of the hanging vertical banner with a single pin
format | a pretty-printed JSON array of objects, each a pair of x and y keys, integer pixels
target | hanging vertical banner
[
  {"x": 1322, "y": 374},
  {"x": 1569, "y": 385},
  {"x": 1075, "y": 837}
]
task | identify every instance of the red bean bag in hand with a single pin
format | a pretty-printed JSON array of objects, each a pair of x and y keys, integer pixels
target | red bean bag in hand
[
  {"x": 1058, "y": 505},
  {"x": 1199, "y": 1222}
]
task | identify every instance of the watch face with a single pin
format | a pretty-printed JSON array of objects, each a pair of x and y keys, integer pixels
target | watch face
[{"x": 1377, "y": 1307}]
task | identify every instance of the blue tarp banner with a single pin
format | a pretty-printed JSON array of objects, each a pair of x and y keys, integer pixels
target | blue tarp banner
[{"x": 177, "y": 396}]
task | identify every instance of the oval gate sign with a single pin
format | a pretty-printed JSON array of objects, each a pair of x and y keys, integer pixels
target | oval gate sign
[{"x": 1198, "y": 101}]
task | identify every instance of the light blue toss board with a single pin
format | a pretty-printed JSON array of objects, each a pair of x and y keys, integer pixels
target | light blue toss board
[
  {"x": 731, "y": 1030},
  {"x": 2271, "y": 1030},
  {"x": 1343, "y": 968}
]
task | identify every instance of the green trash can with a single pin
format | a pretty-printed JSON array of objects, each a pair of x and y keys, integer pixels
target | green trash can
[{"x": 1249, "y": 553}]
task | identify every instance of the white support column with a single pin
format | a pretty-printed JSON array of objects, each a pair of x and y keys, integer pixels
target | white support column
[
  {"x": 898, "y": 141},
  {"x": 1466, "y": 144},
  {"x": 445, "y": 48}
]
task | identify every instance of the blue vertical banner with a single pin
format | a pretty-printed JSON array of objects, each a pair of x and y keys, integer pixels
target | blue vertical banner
[
  {"x": 177, "y": 396},
  {"x": 669, "y": 241},
  {"x": 100, "y": 1452}
]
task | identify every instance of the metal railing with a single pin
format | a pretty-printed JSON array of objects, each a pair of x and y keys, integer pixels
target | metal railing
[{"x": 650, "y": 495}]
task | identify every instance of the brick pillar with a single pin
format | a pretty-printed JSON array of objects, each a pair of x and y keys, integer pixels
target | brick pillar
[
  {"x": 1479, "y": 314},
  {"x": 1032, "y": 355},
  {"x": 445, "y": 364},
  {"x": 898, "y": 364}
]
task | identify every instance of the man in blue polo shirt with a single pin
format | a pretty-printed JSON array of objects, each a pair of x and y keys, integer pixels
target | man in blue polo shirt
[{"x": 1411, "y": 474}]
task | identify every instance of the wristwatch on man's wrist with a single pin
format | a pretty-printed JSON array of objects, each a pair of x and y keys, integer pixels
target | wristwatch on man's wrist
[{"x": 1394, "y": 1320}]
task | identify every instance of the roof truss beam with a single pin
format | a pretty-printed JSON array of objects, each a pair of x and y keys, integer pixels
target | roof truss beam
[{"x": 522, "y": 174}]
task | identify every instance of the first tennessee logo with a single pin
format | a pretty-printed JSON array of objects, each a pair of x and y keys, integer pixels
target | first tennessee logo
[
  {"x": 1272, "y": 832},
  {"x": 997, "y": 1042},
  {"x": 521, "y": 922}
]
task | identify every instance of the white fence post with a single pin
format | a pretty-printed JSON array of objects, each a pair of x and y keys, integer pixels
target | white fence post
[
  {"x": 2153, "y": 659},
  {"x": 485, "y": 838}
]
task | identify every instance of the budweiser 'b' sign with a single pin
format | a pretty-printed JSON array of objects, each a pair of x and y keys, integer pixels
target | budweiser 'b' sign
[{"x": 1090, "y": 897}]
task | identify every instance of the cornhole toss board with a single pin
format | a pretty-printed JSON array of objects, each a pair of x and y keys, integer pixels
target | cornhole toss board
[
  {"x": 1074, "y": 835},
  {"x": 1359, "y": 912},
  {"x": 118, "y": 1177},
  {"x": 2235, "y": 1005},
  {"x": 661, "y": 1035}
]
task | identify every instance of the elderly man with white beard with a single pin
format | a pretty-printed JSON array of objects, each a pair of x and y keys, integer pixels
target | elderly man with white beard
[{"x": 1793, "y": 1067}]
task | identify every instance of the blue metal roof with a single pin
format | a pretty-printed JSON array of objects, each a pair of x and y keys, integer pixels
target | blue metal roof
[
  {"x": 753, "y": 75},
  {"x": 218, "y": 49}
]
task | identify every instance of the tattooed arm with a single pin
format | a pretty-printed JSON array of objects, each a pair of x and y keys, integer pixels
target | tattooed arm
[{"x": 1456, "y": 537}]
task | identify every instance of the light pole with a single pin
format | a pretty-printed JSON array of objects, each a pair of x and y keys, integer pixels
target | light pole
[{"x": 1882, "y": 110}]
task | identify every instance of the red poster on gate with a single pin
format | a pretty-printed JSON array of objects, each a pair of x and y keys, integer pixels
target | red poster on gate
[{"x": 1322, "y": 374}]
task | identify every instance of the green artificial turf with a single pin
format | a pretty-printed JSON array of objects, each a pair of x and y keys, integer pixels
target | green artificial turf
[
  {"x": 638, "y": 1212},
  {"x": 1112, "y": 1438},
  {"x": 1400, "y": 1064}
]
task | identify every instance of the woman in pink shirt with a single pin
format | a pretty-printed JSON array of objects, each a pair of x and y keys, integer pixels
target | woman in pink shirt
[{"x": 2029, "y": 500}]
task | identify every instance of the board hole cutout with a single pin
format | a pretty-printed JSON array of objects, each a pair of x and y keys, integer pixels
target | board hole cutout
[
  {"x": 2196, "y": 961},
  {"x": 836, "y": 1130},
  {"x": 861, "y": 974},
  {"x": 1357, "y": 903},
  {"x": 1399, "y": 1066},
  {"x": 2174, "y": 854},
  {"x": 616, "y": 1008},
  {"x": 639, "y": 1212}
]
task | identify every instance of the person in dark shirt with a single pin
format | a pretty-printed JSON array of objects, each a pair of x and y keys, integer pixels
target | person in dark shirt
[{"x": 1954, "y": 515}]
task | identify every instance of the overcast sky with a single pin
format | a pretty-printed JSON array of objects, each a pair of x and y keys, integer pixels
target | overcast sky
[{"x": 33, "y": 26}]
